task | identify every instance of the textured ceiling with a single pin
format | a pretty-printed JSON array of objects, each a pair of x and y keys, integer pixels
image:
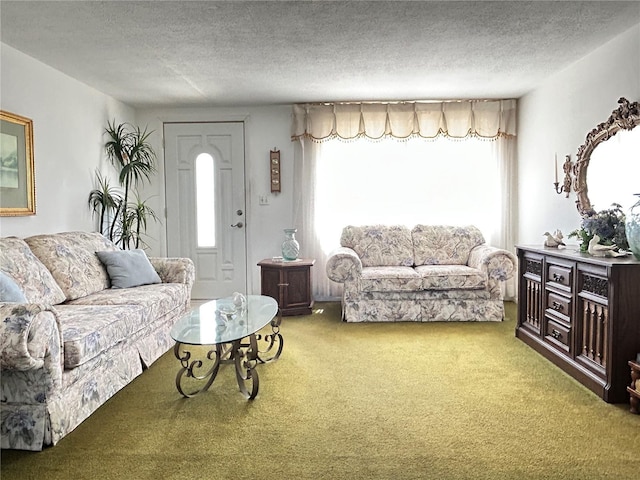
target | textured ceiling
[{"x": 168, "y": 53}]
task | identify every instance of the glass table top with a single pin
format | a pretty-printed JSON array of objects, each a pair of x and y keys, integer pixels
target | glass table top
[{"x": 205, "y": 326}]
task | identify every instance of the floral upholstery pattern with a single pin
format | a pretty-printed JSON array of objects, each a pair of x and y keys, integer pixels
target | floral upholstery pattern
[
  {"x": 451, "y": 277},
  {"x": 456, "y": 275},
  {"x": 428, "y": 295},
  {"x": 71, "y": 258},
  {"x": 175, "y": 270},
  {"x": 31, "y": 372},
  {"x": 155, "y": 340},
  {"x": 157, "y": 299},
  {"x": 455, "y": 310},
  {"x": 158, "y": 302},
  {"x": 380, "y": 245},
  {"x": 88, "y": 331},
  {"x": 499, "y": 265},
  {"x": 33, "y": 278},
  {"x": 383, "y": 279},
  {"x": 59, "y": 363},
  {"x": 343, "y": 264},
  {"x": 444, "y": 245},
  {"x": 70, "y": 406},
  {"x": 32, "y": 342}
]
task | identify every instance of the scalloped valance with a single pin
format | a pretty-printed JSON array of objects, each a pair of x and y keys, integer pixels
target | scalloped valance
[{"x": 455, "y": 119}]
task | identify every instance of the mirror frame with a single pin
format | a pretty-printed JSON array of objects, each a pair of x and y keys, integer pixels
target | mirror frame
[{"x": 625, "y": 117}]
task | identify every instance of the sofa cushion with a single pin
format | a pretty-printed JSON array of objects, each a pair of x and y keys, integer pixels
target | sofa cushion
[
  {"x": 88, "y": 331},
  {"x": 10, "y": 291},
  {"x": 390, "y": 279},
  {"x": 128, "y": 268},
  {"x": 29, "y": 273},
  {"x": 451, "y": 277},
  {"x": 71, "y": 258},
  {"x": 380, "y": 245},
  {"x": 444, "y": 245},
  {"x": 158, "y": 300}
]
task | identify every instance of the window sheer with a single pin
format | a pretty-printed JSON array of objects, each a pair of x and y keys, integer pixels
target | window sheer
[
  {"x": 441, "y": 181},
  {"x": 402, "y": 163}
]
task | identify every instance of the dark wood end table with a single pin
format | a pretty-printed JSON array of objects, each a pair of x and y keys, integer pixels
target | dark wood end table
[{"x": 289, "y": 282}]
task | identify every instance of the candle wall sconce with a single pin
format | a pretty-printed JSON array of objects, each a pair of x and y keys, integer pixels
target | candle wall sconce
[
  {"x": 274, "y": 169},
  {"x": 566, "y": 185}
]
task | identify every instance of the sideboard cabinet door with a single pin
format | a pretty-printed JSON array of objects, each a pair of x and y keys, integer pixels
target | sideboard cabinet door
[{"x": 531, "y": 291}]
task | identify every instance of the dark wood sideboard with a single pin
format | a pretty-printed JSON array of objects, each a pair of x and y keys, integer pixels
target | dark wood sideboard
[{"x": 582, "y": 313}]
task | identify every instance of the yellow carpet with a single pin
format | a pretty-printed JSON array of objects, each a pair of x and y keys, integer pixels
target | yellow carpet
[{"x": 357, "y": 401}]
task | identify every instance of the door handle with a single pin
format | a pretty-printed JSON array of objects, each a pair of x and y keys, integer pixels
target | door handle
[{"x": 238, "y": 225}]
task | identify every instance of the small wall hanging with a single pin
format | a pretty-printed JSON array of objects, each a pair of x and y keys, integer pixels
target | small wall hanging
[
  {"x": 274, "y": 167},
  {"x": 566, "y": 168}
]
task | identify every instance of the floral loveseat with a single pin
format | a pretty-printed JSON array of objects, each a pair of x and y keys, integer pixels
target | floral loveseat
[
  {"x": 428, "y": 273},
  {"x": 72, "y": 342}
]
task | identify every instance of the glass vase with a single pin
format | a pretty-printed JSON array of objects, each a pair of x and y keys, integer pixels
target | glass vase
[
  {"x": 290, "y": 246},
  {"x": 632, "y": 228}
]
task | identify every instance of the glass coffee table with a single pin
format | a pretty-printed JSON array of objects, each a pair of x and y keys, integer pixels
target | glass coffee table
[{"x": 232, "y": 334}]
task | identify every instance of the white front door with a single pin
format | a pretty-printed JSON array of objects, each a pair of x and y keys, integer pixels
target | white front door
[{"x": 205, "y": 192}]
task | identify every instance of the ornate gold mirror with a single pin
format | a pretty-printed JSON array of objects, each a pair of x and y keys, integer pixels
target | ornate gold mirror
[{"x": 607, "y": 168}]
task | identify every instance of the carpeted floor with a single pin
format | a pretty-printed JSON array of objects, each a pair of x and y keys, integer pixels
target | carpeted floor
[{"x": 357, "y": 401}]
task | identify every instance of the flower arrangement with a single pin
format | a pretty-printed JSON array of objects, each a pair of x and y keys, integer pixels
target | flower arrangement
[{"x": 607, "y": 224}]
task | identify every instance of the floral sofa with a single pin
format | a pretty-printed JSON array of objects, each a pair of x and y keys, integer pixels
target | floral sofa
[
  {"x": 72, "y": 342},
  {"x": 428, "y": 273}
]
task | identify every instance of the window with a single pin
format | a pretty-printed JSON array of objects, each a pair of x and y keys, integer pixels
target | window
[
  {"x": 441, "y": 181},
  {"x": 205, "y": 200}
]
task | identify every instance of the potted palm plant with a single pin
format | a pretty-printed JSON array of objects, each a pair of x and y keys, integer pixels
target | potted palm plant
[{"x": 122, "y": 215}]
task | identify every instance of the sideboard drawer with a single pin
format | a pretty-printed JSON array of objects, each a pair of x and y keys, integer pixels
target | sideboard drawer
[
  {"x": 560, "y": 276},
  {"x": 558, "y": 335},
  {"x": 559, "y": 305}
]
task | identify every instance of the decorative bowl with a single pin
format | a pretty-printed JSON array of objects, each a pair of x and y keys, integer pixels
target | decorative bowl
[{"x": 226, "y": 312}]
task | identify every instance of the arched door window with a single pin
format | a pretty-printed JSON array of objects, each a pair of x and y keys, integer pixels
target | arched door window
[{"x": 205, "y": 200}]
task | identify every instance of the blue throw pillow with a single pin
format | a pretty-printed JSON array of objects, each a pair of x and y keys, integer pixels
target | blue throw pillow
[
  {"x": 128, "y": 268},
  {"x": 9, "y": 290}
]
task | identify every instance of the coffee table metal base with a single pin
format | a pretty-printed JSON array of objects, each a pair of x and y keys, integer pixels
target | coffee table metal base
[{"x": 243, "y": 353}]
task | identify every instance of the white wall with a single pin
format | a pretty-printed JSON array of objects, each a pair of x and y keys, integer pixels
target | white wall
[
  {"x": 556, "y": 118},
  {"x": 266, "y": 128},
  {"x": 69, "y": 118}
]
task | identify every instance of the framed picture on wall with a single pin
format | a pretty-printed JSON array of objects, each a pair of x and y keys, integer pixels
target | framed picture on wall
[{"x": 17, "y": 182}]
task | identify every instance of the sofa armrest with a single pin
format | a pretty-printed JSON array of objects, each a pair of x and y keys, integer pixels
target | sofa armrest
[
  {"x": 174, "y": 270},
  {"x": 29, "y": 336},
  {"x": 343, "y": 264},
  {"x": 497, "y": 263}
]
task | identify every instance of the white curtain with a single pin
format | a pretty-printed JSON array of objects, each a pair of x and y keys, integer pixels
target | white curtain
[
  {"x": 505, "y": 153},
  {"x": 314, "y": 124},
  {"x": 304, "y": 216}
]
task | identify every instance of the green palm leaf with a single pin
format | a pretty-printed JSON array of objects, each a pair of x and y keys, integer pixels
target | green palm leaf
[{"x": 128, "y": 149}]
